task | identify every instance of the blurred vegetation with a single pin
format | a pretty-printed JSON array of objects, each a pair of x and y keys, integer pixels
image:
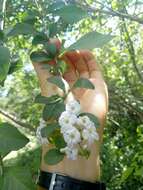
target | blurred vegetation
[{"x": 122, "y": 63}]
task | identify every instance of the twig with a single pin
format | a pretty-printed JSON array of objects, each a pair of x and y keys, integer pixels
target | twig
[
  {"x": 2, "y": 11},
  {"x": 132, "y": 52},
  {"x": 1, "y": 166},
  {"x": 19, "y": 123},
  {"x": 111, "y": 12}
]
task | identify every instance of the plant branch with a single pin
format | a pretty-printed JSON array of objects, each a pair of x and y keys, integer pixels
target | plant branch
[
  {"x": 13, "y": 119},
  {"x": 111, "y": 12},
  {"x": 1, "y": 166},
  {"x": 2, "y": 12},
  {"x": 132, "y": 52}
]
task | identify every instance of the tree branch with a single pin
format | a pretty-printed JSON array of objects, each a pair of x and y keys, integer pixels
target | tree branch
[
  {"x": 111, "y": 12},
  {"x": 19, "y": 123},
  {"x": 2, "y": 12},
  {"x": 132, "y": 52}
]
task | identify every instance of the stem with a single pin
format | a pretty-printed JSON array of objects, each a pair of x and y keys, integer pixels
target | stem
[
  {"x": 1, "y": 166},
  {"x": 2, "y": 11},
  {"x": 17, "y": 122},
  {"x": 113, "y": 13},
  {"x": 132, "y": 53}
]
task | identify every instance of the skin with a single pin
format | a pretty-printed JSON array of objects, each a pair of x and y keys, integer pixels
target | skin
[{"x": 80, "y": 64}]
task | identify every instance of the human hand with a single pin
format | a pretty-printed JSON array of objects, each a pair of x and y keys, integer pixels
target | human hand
[{"x": 80, "y": 64}]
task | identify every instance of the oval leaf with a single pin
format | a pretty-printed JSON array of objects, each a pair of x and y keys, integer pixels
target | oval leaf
[
  {"x": 4, "y": 62},
  {"x": 40, "y": 38},
  {"x": 21, "y": 28},
  {"x": 39, "y": 57},
  {"x": 47, "y": 100},
  {"x": 57, "y": 81},
  {"x": 91, "y": 40},
  {"x": 71, "y": 13},
  {"x": 53, "y": 156},
  {"x": 48, "y": 131},
  {"x": 53, "y": 110},
  {"x": 83, "y": 83},
  {"x": 11, "y": 138}
]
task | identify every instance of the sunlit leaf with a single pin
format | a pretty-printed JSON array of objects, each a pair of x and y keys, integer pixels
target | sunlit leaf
[
  {"x": 71, "y": 13},
  {"x": 91, "y": 40}
]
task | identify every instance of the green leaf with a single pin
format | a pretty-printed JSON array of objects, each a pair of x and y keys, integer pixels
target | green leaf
[
  {"x": 4, "y": 62},
  {"x": 40, "y": 38},
  {"x": 51, "y": 49},
  {"x": 57, "y": 80},
  {"x": 21, "y": 28},
  {"x": 71, "y": 13},
  {"x": 126, "y": 174},
  {"x": 11, "y": 138},
  {"x": 48, "y": 131},
  {"x": 53, "y": 156},
  {"x": 17, "y": 179},
  {"x": 2, "y": 36},
  {"x": 92, "y": 117},
  {"x": 15, "y": 65},
  {"x": 55, "y": 6},
  {"x": 91, "y": 40},
  {"x": 47, "y": 100},
  {"x": 53, "y": 29},
  {"x": 30, "y": 16},
  {"x": 39, "y": 57},
  {"x": 59, "y": 142},
  {"x": 83, "y": 83},
  {"x": 53, "y": 110}
]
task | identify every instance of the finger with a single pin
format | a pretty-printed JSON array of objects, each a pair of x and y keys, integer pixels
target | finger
[
  {"x": 90, "y": 61},
  {"x": 79, "y": 63},
  {"x": 70, "y": 75}
]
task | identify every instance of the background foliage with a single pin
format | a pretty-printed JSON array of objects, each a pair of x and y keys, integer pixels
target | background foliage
[{"x": 121, "y": 62}]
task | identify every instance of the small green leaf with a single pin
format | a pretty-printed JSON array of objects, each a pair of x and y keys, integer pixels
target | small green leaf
[
  {"x": 59, "y": 142},
  {"x": 21, "y": 29},
  {"x": 71, "y": 13},
  {"x": 15, "y": 65},
  {"x": 53, "y": 29},
  {"x": 40, "y": 38},
  {"x": 53, "y": 156},
  {"x": 57, "y": 80},
  {"x": 48, "y": 131},
  {"x": 92, "y": 117},
  {"x": 39, "y": 57},
  {"x": 51, "y": 49},
  {"x": 53, "y": 111},
  {"x": 83, "y": 83},
  {"x": 4, "y": 62},
  {"x": 11, "y": 138},
  {"x": 47, "y": 100},
  {"x": 91, "y": 40}
]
